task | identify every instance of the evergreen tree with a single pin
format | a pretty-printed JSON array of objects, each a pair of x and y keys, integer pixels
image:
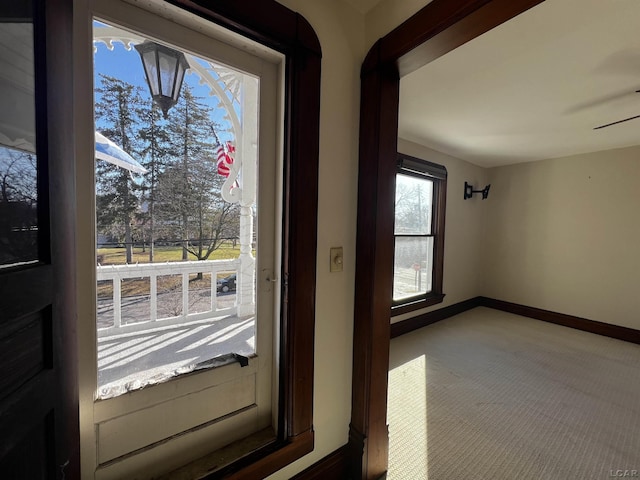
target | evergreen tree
[
  {"x": 155, "y": 151},
  {"x": 117, "y": 118}
]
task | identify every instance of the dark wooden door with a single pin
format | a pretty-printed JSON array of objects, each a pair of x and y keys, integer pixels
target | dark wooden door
[{"x": 38, "y": 383}]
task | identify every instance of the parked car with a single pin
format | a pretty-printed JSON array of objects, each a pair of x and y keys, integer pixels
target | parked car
[{"x": 226, "y": 284}]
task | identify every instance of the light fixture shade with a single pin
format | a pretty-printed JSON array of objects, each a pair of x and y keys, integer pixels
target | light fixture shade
[{"x": 164, "y": 68}]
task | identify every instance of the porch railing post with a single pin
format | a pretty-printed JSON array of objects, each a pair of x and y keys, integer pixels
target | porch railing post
[
  {"x": 117, "y": 302},
  {"x": 153, "y": 300},
  {"x": 118, "y": 273},
  {"x": 185, "y": 294},
  {"x": 214, "y": 289},
  {"x": 248, "y": 154}
]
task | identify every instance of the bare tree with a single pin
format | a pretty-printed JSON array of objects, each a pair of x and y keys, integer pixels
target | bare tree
[
  {"x": 189, "y": 189},
  {"x": 189, "y": 126},
  {"x": 18, "y": 206}
]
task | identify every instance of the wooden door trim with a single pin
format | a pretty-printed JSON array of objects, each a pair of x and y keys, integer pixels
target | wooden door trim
[
  {"x": 435, "y": 30},
  {"x": 62, "y": 200}
]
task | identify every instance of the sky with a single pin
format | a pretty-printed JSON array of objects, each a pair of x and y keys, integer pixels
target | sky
[{"x": 127, "y": 66}]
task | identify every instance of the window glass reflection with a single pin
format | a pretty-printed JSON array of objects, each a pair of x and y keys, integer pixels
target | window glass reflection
[
  {"x": 412, "y": 267},
  {"x": 18, "y": 168},
  {"x": 414, "y": 205}
]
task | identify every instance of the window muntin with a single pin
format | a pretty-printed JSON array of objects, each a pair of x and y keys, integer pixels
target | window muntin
[{"x": 418, "y": 234}]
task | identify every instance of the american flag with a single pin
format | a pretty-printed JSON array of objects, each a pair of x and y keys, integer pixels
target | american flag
[{"x": 224, "y": 159}]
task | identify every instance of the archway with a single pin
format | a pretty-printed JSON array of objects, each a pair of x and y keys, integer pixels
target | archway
[{"x": 435, "y": 30}]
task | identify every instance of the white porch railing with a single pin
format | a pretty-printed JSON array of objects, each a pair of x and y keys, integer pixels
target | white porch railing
[{"x": 117, "y": 273}]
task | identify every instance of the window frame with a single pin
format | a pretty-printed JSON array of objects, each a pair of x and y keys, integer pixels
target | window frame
[
  {"x": 419, "y": 168},
  {"x": 262, "y": 362}
]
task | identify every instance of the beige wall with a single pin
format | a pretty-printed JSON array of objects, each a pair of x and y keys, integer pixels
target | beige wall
[
  {"x": 341, "y": 32},
  {"x": 387, "y": 15},
  {"x": 563, "y": 235},
  {"x": 344, "y": 42},
  {"x": 463, "y": 227},
  {"x": 476, "y": 231}
]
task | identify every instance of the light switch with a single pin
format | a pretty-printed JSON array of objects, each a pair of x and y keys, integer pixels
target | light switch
[{"x": 335, "y": 259}]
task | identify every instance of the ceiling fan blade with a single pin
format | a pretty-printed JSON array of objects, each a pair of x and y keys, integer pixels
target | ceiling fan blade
[{"x": 615, "y": 123}]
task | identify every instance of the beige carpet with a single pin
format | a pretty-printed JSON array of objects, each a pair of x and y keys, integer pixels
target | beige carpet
[{"x": 490, "y": 395}]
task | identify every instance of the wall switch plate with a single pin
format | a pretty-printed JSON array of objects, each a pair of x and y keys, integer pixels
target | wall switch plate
[{"x": 335, "y": 259}]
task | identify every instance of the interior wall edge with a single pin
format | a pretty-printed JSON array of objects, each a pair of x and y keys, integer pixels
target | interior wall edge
[
  {"x": 419, "y": 321},
  {"x": 561, "y": 235},
  {"x": 591, "y": 326}
]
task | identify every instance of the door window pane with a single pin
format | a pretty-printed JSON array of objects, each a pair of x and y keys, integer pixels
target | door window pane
[
  {"x": 18, "y": 168},
  {"x": 420, "y": 199},
  {"x": 175, "y": 208}
]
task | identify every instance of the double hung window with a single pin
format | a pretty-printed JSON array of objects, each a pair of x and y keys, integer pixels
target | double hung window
[{"x": 419, "y": 234}]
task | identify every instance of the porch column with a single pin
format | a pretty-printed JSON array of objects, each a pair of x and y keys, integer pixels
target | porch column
[{"x": 248, "y": 154}]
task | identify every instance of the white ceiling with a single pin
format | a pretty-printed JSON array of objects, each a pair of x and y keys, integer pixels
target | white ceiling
[{"x": 532, "y": 88}]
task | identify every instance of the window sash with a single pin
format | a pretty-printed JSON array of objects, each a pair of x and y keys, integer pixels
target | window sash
[
  {"x": 414, "y": 186},
  {"x": 411, "y": 166},
  {"x": 413, "y": 267},
  {"x": 256, "y": 407},
  {"x": 402, "y": 235},
  {"x": 422, "y": 168}
]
